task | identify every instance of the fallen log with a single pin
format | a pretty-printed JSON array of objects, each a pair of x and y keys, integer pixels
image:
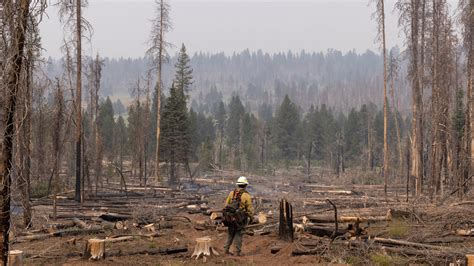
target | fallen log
[
  {"x": 465, "y": 232},
  {"x": 60, "y": 233},
  {"x": 80, "y": 223},
  {"x": 114, "y": 217},
  {"x": 149, "y": 251},
  {"x": 443, "y": 240},
  {"x": 261, "y": 218},
  {"x": 347, "y": 219},
  {"x": 324, "y": 231},
  {"x": 396, "y": 242},
  {"x": 216, "y": 216},
  {"x": 58, "y": 226}
]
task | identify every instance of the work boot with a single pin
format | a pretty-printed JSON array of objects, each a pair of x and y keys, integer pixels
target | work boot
[
  {"x": 227, "y": 252},
  {"x": 238, "y": 254}
]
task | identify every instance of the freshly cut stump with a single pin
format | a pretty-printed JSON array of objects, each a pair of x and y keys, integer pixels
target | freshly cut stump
[
  {"x": 470, "y": 259},
  {"x": 15, "y": 258},
  {"x": 95, "y": 249},
  {"x": 203, "y": 247}
]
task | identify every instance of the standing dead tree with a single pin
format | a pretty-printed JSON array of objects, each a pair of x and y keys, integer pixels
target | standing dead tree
[
  {"x": 158, "y": 52},
  {"x": 393, "y": 73},
  {"x": 443, "y": 66},
  {"x": 70, "y": 13},
  {"x": 410, "y": 11},
  {"x": 380, "y": 17},
  {"x": 58, "y": 122},
  {"x": 16, "y": 15},
  {"x": 467, "y": 21}
]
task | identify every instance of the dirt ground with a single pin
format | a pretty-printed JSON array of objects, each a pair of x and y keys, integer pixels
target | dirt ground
[{"x": 430, "y": 223}]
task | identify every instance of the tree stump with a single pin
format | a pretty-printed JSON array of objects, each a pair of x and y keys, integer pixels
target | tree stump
[
  {"x": 203, "y": 247},
  {"x": 285, "y": 231},
  {"x": 470, "y": 260},
  {"x": 15, "y": 258},
  {"x": 95, "y": 249}
]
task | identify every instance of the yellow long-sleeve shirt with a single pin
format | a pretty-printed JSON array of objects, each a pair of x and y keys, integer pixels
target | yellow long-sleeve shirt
[{"x": 245, "y": 201}]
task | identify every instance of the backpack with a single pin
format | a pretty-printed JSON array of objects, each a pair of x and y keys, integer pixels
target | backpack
[{"x": 232, "y": 214}]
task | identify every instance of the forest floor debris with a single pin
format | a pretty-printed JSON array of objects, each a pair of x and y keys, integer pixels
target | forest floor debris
[{"x": 162, "y": 226}]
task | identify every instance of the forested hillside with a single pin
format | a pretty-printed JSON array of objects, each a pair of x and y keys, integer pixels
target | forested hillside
[{"x": 333, "y": 78}]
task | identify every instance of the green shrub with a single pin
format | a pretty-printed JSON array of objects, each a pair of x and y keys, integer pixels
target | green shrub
[
  {"x": 398, "y": 229},
  {"x": 39, "y": 190}
]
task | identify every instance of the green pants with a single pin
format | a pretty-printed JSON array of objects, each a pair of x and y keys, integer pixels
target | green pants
[{"x": 234, "y": 233}]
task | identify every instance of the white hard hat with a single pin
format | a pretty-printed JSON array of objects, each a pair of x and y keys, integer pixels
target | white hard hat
[{"x": 242, "y": 181}]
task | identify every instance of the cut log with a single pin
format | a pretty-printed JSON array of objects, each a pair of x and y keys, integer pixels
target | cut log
[
  {"x": 203, "y": 247},
  {"x": 337, "y": 192},
  {"x": 347, "y": 219},
  {"x": 465, "y": 232},
  {"x": 395, "y": 242},
  {"x": 95, "y": 249},
  {"x": 80, "y": 223},
  {"x": 285, "y": 231},
  {"x": 324, "y": 231},
  {"x": 57, "y": 226},
  {"x": 15, "y": 258},
  {"x": 149, "y": 251},
  {"x": 216, "y": 216},
  {"x": 261, "y": 218},
  {"x": 68, "y": 232},
  {"x": 114, "y": 217}
]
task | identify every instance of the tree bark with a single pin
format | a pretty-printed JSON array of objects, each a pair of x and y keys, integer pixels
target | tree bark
[
  {"x": 12, "y": 78},
  {"x": 386, "y": 158},
  {"x": 286, "y": 221},
  {"x": 78, "y": 195},
  {"x": 417, "y": 101}
]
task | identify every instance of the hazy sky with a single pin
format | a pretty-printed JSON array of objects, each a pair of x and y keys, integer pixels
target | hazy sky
[{"x": 121, "y": 27}]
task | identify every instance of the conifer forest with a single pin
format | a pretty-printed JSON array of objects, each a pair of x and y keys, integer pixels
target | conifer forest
[{"x": 357, "y": 157}]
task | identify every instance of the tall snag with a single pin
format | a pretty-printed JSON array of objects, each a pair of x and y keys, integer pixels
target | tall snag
[
  {"x": 158, "y": 51},
  {"x": 380, "y": 16},
  {"x": 18, "y": 14},
  {"x": 410, "y": 11}
]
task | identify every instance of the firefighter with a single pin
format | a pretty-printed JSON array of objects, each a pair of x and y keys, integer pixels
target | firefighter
[{"x": 240, "y": 216}]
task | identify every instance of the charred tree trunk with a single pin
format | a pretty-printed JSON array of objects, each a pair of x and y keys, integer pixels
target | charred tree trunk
[
  {"x": 417, "y": 100},
  {"x": 285, "y": 231},
  {"x": 78, "y": 103},
  {"x": 12, "y": 79}
]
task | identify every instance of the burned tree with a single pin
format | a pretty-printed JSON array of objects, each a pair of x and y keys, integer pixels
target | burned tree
[
  {"x": 410, "y": 11},
  {"x": 70, "y": 13},
  {"x": 380, "y": 17},
  {"x": 158, "y": 51},
  {"x": 467, "y": 21},
  {"x": 16, "y": 15}
]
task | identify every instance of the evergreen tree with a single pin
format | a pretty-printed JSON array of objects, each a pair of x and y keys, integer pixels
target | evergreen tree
[
  {"x": 120, "y": 140},
  {"x": 233, "y": 129},
  {"x": 286, "y": 125},
  {"x": 220, "y": 117},
  {"x": 106, "y": 126},
  {"x": 194, "y": 136},
  {"x": 175, "y": 137},
  {"x": 184, "y": 73}
]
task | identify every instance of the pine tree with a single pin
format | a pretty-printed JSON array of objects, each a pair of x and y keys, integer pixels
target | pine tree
[
  {"x": 106, "y": 124},
  {"x": 175, "y": 137},
  {"x": 184, "y": 73},
  {"x": 220, "y": 117},
  {"x": 286, "y": 125},
  {"x": 233, "y": 129}
]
